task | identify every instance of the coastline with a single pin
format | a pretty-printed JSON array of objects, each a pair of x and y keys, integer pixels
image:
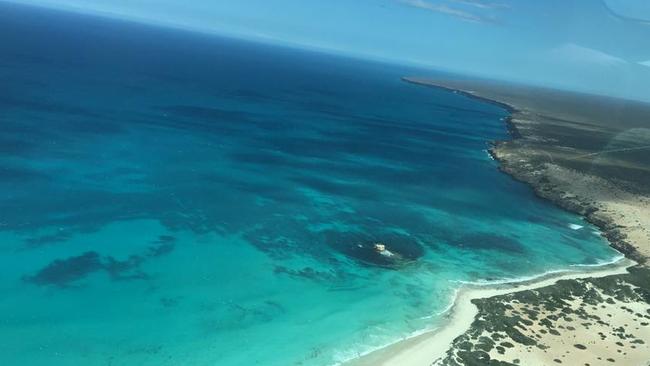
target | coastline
[
  {"x": 430, "y": 347},
  {"x": 516, "y": 164},
  {"x": 442, "y": 345}
]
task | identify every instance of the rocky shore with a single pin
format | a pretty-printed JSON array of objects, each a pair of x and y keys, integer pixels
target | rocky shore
[
  {"x": 576, "y": 192},
  {"x": 591, "y": 156},
  {"x": 583, "y": 165}
]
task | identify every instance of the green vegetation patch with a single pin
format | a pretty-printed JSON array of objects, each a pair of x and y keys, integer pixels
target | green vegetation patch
[{"x": 496, "y": 315}]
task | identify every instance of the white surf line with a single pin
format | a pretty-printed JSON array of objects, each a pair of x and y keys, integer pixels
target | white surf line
[
  {"x": 430, "y": 347},
  {"x": 610, "y": 151}
]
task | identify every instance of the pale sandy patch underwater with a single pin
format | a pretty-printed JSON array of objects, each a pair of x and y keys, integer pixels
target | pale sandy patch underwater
[{"x": 170, "y": 196}]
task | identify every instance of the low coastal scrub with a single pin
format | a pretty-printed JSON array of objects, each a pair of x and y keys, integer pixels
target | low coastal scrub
[{"x": 522, "y": 323}]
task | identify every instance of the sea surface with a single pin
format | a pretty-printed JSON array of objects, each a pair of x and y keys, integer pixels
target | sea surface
[{"x": 173, "y": 198}]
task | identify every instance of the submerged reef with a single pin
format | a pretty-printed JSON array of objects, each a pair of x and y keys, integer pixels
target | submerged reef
[
  {"x": 588, "y": 155},
  {"x": 390, "y": 250},
  {"x": 62, "y": 272},
  {"x": 69, "y": 271}
]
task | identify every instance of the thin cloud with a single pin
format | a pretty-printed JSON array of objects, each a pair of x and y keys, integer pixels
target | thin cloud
[
  {"x": 482, "y": 4},
  {"x": 585, "y": 55},
  {"x": 624, "y": 17},
  {"x": 644, "y": 63},
  {"x": 452, "y": 11}
]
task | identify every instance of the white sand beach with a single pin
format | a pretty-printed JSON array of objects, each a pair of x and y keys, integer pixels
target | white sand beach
[{"x": 426, "y": 349}]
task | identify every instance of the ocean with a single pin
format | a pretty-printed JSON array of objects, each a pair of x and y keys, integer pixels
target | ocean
[{"x": 176, "y": 198}]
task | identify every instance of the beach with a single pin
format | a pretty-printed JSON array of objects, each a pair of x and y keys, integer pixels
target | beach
[
  {"x": 572, "y": 150},
  {"x": 178, "y": 191},
  {"x": 432, "y": 347},
  {"x": 226, "y": 189}
]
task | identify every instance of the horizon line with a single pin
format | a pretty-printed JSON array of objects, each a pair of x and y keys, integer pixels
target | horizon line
[{"x": 276, "y": 42}]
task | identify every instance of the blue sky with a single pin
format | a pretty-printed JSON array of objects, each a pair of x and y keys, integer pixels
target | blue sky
[{"x": 589, "y": 45}]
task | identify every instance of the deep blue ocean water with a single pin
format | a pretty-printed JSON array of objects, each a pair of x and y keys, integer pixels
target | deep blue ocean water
[{"x": 170, "y": 198}]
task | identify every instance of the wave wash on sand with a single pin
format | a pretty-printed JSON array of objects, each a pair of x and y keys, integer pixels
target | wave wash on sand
[
  {"x": 184, "y": 203},
  {"x": 432, "y": 346},
  {"x": 598, "y": 316}
]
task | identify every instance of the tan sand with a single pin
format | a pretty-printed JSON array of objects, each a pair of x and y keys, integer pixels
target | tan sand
[
  {"x": 426, "y": 349},
  {"x": 631, "y": 212},
  {"x": 587, "y": 342},
  {"x": 589, "y": 154},
  {"x": 559, "y": 151}
]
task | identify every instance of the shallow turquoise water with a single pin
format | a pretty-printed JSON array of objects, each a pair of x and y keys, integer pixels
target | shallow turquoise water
[{"x": 170, "y": 198}]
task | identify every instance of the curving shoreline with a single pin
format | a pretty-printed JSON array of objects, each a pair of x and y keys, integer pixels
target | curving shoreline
[
  {"x": 443, "y": 345},
  {"x": 430, "y": 347},
  {"x": 529, "y": 157}
]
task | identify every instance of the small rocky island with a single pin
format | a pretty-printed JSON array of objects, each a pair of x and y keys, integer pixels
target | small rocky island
[{"x": 387, "y": 250}]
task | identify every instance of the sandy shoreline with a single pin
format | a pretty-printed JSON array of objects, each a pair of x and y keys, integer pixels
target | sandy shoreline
[
  {"x": 546, "y": 152},
  {"x": 428, "y": 348}
]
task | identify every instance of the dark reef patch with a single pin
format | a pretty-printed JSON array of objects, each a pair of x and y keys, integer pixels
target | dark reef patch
[
  {"x": 307, "y": 273},
  {"x": 161, "y": 249},
  {"x": 128, "y": 269},
  {"x": 38, "y": 241},
  {"x": 63, "y": 272},
  {"x": 165, "y": 244},
  {"x": 361, "y": 247}
]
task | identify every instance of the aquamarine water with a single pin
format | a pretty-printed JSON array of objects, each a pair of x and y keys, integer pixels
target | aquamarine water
[{"x": 170, "y": 198}]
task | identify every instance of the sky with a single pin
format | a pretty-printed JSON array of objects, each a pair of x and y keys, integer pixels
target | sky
[{"x": 595, "y": 46}]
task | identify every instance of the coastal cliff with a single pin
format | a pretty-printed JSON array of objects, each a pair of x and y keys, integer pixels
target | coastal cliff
[
  {"x": 581, "y": 193},
  {"x": 578, "y": 162},
  {"x": 590, "y": 155}
]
